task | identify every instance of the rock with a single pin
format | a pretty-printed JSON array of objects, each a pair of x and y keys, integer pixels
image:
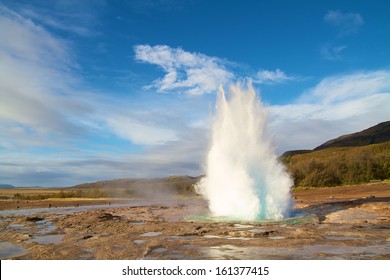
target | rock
[
  {"x": 108, "y": 217},
  {"x": 34, "y": 219}
]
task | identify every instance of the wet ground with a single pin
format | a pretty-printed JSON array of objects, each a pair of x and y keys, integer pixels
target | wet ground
[{"x": 337, "y": 223}]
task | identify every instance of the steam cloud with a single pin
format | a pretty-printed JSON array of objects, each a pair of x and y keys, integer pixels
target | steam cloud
[{"x": 244, "y": 179}]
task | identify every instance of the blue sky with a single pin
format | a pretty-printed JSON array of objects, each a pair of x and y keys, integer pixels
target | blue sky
[{"x": 94, "y": 90}]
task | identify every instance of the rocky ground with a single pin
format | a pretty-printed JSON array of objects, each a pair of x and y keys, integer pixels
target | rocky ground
[{"x": 338, "y": 223}]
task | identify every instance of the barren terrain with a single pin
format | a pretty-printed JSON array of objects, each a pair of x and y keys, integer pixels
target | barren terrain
[{"x": 330, "y": 223}]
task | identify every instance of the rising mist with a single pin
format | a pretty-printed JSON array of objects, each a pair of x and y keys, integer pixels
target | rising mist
[{"x": 244, "y": 179}]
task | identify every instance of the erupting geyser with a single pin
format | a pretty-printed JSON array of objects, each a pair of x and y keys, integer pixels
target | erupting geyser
[{"x": 244, "y": 179}]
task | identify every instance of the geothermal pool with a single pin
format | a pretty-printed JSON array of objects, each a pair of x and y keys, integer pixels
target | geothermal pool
[{"x": 339, "y": 228}]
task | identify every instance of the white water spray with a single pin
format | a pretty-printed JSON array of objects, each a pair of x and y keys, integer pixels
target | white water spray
[{"x": 244, "y": 179}]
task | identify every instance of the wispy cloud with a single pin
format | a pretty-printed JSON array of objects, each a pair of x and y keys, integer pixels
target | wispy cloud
[
  {"x": 34, "y": 73},
  {"x": 138, "y": 132},
  {"x": 345, "y": 87},
  {"x": 45, "y": 112},
  {"x": 25, "y": 40},
  {"x": 74, "y": 17},
  {"x": 336, "y": 105},
  {"x": 346, "y": 23},
  {"x": 41, "y": 97},
  {"x": 272, "y": 77},
  {"x": 55, "y": 23},
  {"x": 331, "y": 52},
  {"x": 191, "y": 73}
]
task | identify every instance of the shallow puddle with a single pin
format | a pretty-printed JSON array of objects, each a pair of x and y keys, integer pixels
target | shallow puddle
[
  {"x": 163, "y": 253},
  {"x": 45, "y": 226},
  {"x": 241, "y": 226},
  {"x": 178, "y": 237},
  {"x": 151, "y": 233},
  {"x": 342, "y": 238},
  {"x": 258, "y": 230},
  {"x": 48, "y": 239},
  {"x": 155, "y": 253},
  {"x": 228, "y": 237},
  {"x": 16, "y": 226},
  {"x": 159, "y": 250},
  {"x": 276, "y": 237},
  {"x": 213, "y": 236},
  {"x": 137, "y": 223},
  {"x": 247, "y": 253},
  {"x": 316, "y": 251},
  {"x": 239, "y": 238},
  {"x": 8, "y": 250}
]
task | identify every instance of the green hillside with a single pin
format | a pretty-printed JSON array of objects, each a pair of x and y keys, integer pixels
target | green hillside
[{"x": 340, "y": 165}]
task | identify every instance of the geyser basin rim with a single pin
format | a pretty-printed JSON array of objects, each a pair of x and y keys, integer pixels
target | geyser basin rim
[{"x": 298, "y": 218}]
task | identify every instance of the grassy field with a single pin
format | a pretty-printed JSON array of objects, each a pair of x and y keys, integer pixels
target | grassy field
[
  {"x": 10, "y": 193},
  {"x": 49, "y": 193},
  {"x": 340, "y": 166}
]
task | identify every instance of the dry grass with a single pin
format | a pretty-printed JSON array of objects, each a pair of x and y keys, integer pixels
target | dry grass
[{"x": 10, "y": 193}]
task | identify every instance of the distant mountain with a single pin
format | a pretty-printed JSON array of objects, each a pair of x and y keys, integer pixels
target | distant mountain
[
  {"x": 6, "y": 186},
  {"x": 374, "y": 135}
]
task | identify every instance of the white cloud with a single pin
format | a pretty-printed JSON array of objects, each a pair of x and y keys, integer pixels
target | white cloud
[
  {"x": 24, "y": 40},
  {"x": 34, "y": 71},
  {"x": 140, "y": 132},
  {"x": 187, "y": 72},
  {"x": 41, "y": 99},
  {"x": 271, "y": 77},
  {"x": 337, "y": 105},
  {"x": 347, "y": 23},
  {"x": 71, "y": 16},
  {"x": 345, "y": 87}
]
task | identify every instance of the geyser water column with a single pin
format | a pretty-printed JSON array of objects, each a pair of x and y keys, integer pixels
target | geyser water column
[{"x": 244, "y": 179}]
